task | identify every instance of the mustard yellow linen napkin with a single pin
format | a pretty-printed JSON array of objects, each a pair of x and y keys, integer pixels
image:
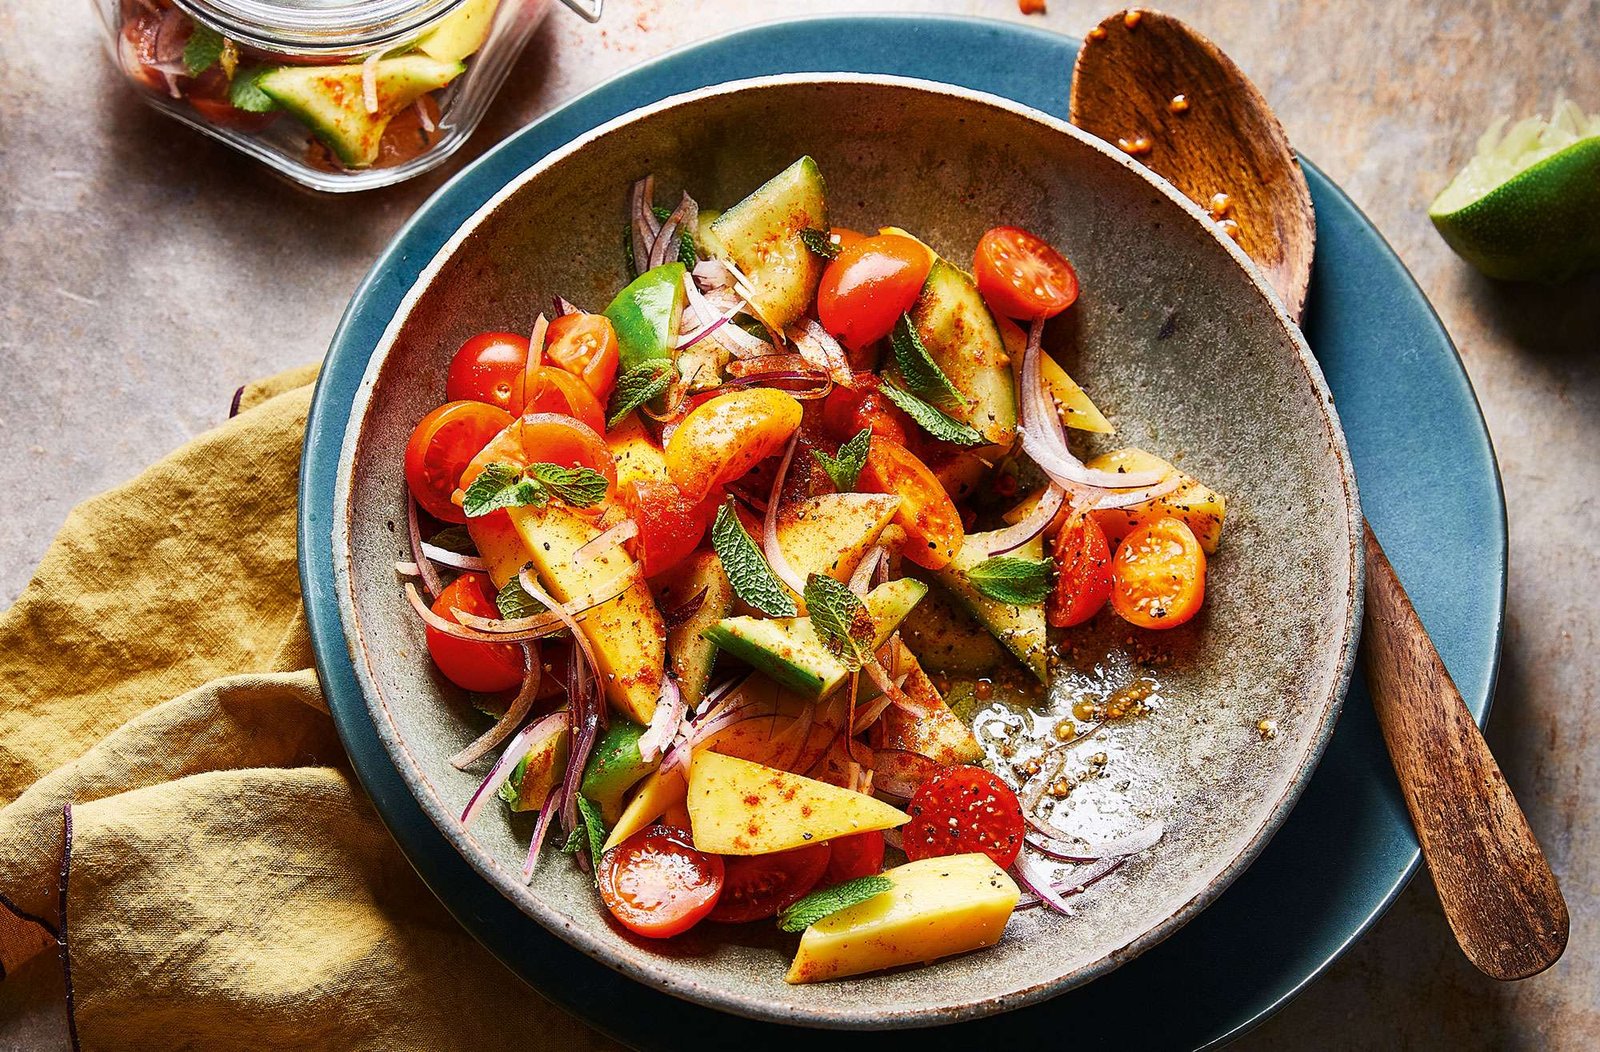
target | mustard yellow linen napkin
[{"x": 179, "y": 820}]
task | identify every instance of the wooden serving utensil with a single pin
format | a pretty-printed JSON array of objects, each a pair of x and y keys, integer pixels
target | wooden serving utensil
[{"x": 1170, "y": 98}]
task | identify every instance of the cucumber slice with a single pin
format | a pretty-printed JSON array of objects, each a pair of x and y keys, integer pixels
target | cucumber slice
[
  {"x": 329, "y": 99},
  {"x": 1020, "y": 629},
  {"x": 961, "y": 336},
  {"x": 761, "y": 237}
]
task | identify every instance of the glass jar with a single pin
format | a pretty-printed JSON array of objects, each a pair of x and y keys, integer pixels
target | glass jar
[{"x": 336, "y": 94}]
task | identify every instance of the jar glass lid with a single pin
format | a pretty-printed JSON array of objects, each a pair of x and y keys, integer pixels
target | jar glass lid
[{"x": 317, "y": 26}]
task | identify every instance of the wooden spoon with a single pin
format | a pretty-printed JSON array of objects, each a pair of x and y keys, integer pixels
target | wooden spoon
[{"x": 1169, "y": 97}]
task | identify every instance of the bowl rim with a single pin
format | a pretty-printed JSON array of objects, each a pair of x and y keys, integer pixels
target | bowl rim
[{"x": 646, "y": 967}]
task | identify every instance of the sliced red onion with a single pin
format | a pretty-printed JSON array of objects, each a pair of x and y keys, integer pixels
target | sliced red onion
[
  {"x": 626, "y": 530},
  {"x": 642, "y": 227},
  {"x": 891, "y": 690},
  {"x": 564, "y": 307},
  {"x": 715, "y": 695},
  {"x": 861, "y": 580},
  {"x": 430, "y": 576},
  {"x": 424, "y": 118},
  {"x": 547, "y": 811},
  {"x": 713, "y": 318},
  {"x": 171, "y": 35},
  {"x": 1015, "y": 536},
  {"x": 541, "y": 325},
  {"x": 369, "y": 81},
  {"x": 1048, "y": 839},
  {"x": 679, "y": 615},
  {"x": 670, "y": 236},
  {"x": 870, "y": 713},
  {"x": 532, "y": 672},
  {"x": 769, "y": 539},
  {"x": 800, "y": 731},
  {"x": 501, "y": 771},
  {"x": 1033, "y": 875},
  {"x": 670, "y": 708},
  {"x": 407, "y": 569},
  {"x": 450, "y": 558},
  {"x": 588, "y": 713},
  {"x": 567, "y": 618},
  {"x": 819, "y": 347},
  {"x": 459, "y": 631},
  {"x": 775, "y": 364},
  {"x": 712, "y": 274},
  {"x": 814, "y": 387},
  {"x": 1133, "y": 498},
  {"x": 710, "y": 728},
  {"x": 575, "y": 608}
]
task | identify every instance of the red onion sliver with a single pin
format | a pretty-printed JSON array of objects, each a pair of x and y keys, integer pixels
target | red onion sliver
[
  {"x": 450, "y": 558},
  {"x": 369, "y": 81},
  {"x": 1048, "y": 839},
  {"x": 564, "y": 307},
  {"x": 670, "y": 708},
  {"x": 430, "y": 576},
  {"x": 1031, "y": 874},
  {"x": 1044, "y": 512},
  {"x": 1133, "y": 498},
  {"x": 626, "y": 530},
  {"x": 566, "y": 617},
  {"x": 862, "y": 578},
  {"x": 670, "y": 236},
  {"x": 643, "y": 226},
  {"x": 712, "y": 274},
  {"x": 547, "y": 811},
  {"x": 521, "y": 705},
  {"x": 458, "y": 631},
  {"x": 576, "y": 608},
  {"x": 810, "y": 336},
  {"x": 499, "y": 773},
  {"x": 769, "y": 542}
]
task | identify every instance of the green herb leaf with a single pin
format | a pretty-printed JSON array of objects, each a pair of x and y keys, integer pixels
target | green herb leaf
[
  {"x": 637, "y": 386},
  {"x": 688, "y": 252},
  {"x": 514, "y": 601},
  {"x": 819, "y": 243},
  {"x": 1008, "y": 579},
  {"x": 917, "y": 367},
  {"x": 454, "y": 539},
  {"x": 576, "y": 840},
  {"x": 245, "y": 94},
  {"x": 940, "y": 425},
  {"x": 841, "y": 619},
  {"x": 580, "y": 487},
  {"x": 752, "y": 579},
  {"x": 594, "y": 828},
  {"x": 819, "y": 905},
  {"x": 845, "y": 467},
  {"x": 511, "y": 791},
  {"x": 202, "y": 50},
  {"x": 502, "y": 486}
]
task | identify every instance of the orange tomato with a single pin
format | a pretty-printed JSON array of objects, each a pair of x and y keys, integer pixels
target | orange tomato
[
  {"x": 585, "y": 345},
  {"x": 1159, "y": 575},
  {"x": 543, "y": 438},
  {"x": 869, "y": 285},
  {"x": 554, "y": 390},
  {"x": 441, "y": 447},
  {"x": 1083, "y": 572},
  {"x": 482, "y": 667},
  {"x": 1022, "y": 276},
  {"x": 726, "y": 436},
  {"x": 932, "y": 524},
  {"x": 670, "y": 524},
  {"x": 846, "y": 410}
]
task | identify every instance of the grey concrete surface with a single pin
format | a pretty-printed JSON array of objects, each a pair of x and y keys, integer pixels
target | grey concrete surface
[{"x": 147, "y": 272}]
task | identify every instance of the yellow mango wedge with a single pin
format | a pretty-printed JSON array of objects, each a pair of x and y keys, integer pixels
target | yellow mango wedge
[
  {"x": 1077, "y": 408},
  {"x": 741, "y": 808},
  {"x": 937, "y": 907},
  {"x": 637, "y": 456},
  {"x": 1201, "y": 508}
]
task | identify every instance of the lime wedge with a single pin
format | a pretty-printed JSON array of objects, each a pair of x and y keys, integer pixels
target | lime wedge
[{"x": 1527, "y": 207}]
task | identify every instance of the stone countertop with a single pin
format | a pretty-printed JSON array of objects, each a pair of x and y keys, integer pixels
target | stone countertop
[{"x": 148, "y": 272}]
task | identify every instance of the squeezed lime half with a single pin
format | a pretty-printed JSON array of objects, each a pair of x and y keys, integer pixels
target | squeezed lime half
[{"x": 1527, "y": 206}]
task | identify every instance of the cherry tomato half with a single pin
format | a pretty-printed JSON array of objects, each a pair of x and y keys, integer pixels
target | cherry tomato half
[
  {"x": 1159, "y": 575},
  {"x": 760, "y": 886},
  {"x": 868, "y": 285},
  {"x": 1083, "y": 572},
  {"x": 856, "y": 855},
  {"x": 670, "y": 524},
  {"x": 846, "y": 410},
  {"x": 543, "y": 438},
  {"x": 482, "y": 667},
  {"x": 442, "y": 446},
  {"x": 1022, "y": 276},
  {"x": 960, "y": 810},
  {"x": 488, "y": 368},
  {"x": 585, "y": 345},
  {"x": 932, "y": 524},
  {"x": 726, "y": 436},
  {"x": 657, "y": 885},
  {"x": 551, "y": 389}
]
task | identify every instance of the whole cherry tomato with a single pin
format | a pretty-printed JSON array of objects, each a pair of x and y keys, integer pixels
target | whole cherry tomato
[
  {"x": 488, "y": 368},
  {"x": 869, "y": 285}
]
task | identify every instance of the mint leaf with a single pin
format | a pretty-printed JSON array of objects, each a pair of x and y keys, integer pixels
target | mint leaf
[
  {"x": 819, "y": 243},
  {"x": 514, "y": 601},
  {"x": 511, "y": 791},
  {"x": 594, "y": 828},
  {"x": 845, "y": 467},
  {"x": 940, "y": 425},
  {"x": 637, "y": 386},
  {"x": 747, "y": 570},
  {"x": 917, "y": 367},
  {"x": 841, "y": 618},
  {"x": 202, "y": 50},
  {"x": 501, "y": 486},
  {"x": 454, "y": 539},
  {"x": 1008, "y": 579},
  {"x": 575, "y": 839},
  {"x": 580, "y": 487},
  {"x": 245, "y": 94},
  {"x": 820, "y": 905}
]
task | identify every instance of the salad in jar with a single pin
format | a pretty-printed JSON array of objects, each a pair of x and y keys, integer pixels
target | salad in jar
[{"x": 703, "y": 552}]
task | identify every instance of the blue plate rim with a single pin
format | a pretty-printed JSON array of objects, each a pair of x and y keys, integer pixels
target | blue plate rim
[{"x": 327, "y": 637}]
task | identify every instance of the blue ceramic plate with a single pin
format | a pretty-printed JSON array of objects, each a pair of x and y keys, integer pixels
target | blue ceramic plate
[{"x": 1347, "y": 849}]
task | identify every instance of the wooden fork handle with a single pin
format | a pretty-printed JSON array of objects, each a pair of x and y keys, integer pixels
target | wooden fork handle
[{"x": 1499, "y": 895}]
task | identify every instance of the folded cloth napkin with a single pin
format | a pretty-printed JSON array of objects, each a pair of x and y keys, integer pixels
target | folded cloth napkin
[{"x": 179, "y": 821}]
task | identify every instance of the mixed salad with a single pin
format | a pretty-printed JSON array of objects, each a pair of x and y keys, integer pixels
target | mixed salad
[
  {"x": 361, "y": 111},
  {"x": 691, "y": 536}
]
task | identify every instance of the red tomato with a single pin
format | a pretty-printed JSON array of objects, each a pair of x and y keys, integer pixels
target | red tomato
[
  {"x": 1083, "y": 572},
  {"x": 543, "y": 438},
  {"x": 856, "y": 855},
  {"x": 656, "y": 884},
  {"x": 483, "y": 667},
  {"x": 1021, "y": 276},
  {"x": 760, "y": 886},
  {"x": 960, "y": 810},
  {"x": 869, "y": 285},
  {"x": 670, "y": 524},
  {"x": 208, "y": 94},
  {"x": 1159, "y": 575},
  {"x": 585, "y": 345},
  {"x": 442, "y": 446},
  {"x": 554, "y": 390},
  {"x": 846, "y": 410},
  {"x": 137, "y": 49},
  {"x": 843, "y": 237},
  {"x": 932, "y": 524},
  {"x": 488, "y": 368}
]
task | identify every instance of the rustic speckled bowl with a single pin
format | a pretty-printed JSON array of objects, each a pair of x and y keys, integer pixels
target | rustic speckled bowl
[{"x": 1176, "y": 335}]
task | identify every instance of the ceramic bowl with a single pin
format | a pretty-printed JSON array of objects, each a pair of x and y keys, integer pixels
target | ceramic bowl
[{"x": 1179, "y": 340}]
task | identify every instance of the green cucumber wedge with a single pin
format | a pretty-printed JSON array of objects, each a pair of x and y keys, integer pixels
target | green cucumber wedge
[
  {"x": 331, "y": 102},
  {"x": 760, "y": 236}
]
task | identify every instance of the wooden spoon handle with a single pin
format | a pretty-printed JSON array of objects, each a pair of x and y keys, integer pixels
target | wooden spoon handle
[{"x": 1499, "y": 895}]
